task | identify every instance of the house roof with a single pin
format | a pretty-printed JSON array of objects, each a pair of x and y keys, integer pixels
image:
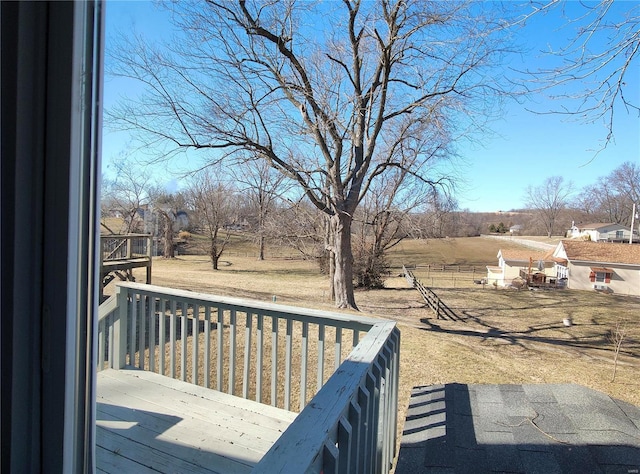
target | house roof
[
  {"x": 604, "y": 252},
  {"x": 598, "y": 225},
  {"x": 602, "y": 269},
  {"x": 518, "y": 428},
  {"x": 523, "y": 255}
]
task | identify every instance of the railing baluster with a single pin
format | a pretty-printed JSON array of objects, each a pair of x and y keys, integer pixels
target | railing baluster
[
  {"x": 274, "y": 361},
  {"x": 383, "y": 362},
  {"x": 134, "y": 328},
  {"x": 119, "y": 332},
  {"x": 356, "y": 337},
  {"x": 183, "y": 341},
  {"x": 344, "y": 441},
  {"x": 304, "y": 353},
  {"x": 287, "y": 365},
  {"x": 161, "y": 338},
  {"x": 112, "y": 348},
  {"x": 377, "y": 399},
  {"x": 195, "y": 336},
  {"x": 172, "y": 337},
  {"x": 152, "y": 333},
  {"x": 330, "y": 457},
  {"x": 232, "y": 352},
  {"x": 247, "y": 355},
  {"x": 259, "y": 356},
  {"x": 320, "y": 380},
  {"x": 142, "y": 317},
  {"x": 101, "y": 337},
  {"x": 207, "y": 345},
  {"x": 373, "y": 426},
  {"x": 220, "y": 330},
  {"x": 338, "y": 355},
  {"x": 355, "y": 420}
]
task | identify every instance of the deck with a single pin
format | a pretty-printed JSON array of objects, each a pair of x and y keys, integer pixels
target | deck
[
  {"x": 264, "y": 360},
  {"x": 120, "y": 254},
  {"x": 150, "y": 423}
]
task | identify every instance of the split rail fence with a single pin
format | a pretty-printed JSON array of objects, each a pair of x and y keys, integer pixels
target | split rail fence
[{"x": 441, "y": 310}]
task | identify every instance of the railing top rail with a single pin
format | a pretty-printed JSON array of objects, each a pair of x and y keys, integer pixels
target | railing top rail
[
  {"x": 348, "y": 321},
  {"x": 303, "y": 440},
  {"x": 123, "y": 236},
  {"x": 107, "y": 306}
]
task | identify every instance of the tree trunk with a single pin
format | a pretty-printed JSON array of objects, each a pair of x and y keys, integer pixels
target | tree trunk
[
  {"x": 331, "y": 265},
  {"x": 169, "y": 251},
  {"x": 213, "y": 253},
  {"x": 343, "y": 258},
  {"x": 261, "y": 246}
]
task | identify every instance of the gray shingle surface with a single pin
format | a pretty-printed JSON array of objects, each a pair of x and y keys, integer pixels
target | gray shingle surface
[{"x": 550, "y": 428}]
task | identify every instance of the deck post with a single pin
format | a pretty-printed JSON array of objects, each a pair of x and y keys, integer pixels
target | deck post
[
  {"x": 129, "y": 247},
  {"x": 119, "y": 343},
  {"x": 150, "y": 259}
]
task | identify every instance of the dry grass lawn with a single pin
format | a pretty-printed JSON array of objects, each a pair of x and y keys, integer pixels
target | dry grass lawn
[{"x": 502, "y": 336}]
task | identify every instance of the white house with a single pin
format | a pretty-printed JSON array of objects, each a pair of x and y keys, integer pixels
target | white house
[
  {"x": 516, "y": 229},
  {"x": 604, "y": 232},
  {"x": 532, "y": 265},
  {"x": 604, "y": 266}
]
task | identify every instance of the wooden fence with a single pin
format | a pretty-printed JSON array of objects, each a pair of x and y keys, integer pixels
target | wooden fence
[{"x": 440, "y": 309}]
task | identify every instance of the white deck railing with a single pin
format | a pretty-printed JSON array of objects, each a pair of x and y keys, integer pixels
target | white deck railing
[{"x": 340, "y": 370}]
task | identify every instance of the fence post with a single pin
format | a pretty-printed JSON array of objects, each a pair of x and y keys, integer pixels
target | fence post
[
  {"x": 129, "y": 241},
  {"x": 119, "y": 343}
]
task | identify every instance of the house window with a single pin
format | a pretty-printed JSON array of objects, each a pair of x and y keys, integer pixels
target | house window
[
  {"x": 619, "y": 234},
  {"x": 601, "y": 275},
  {"x": 561, "y": 271}
]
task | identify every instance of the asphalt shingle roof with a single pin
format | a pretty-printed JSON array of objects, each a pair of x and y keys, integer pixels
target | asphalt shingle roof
[
  {"x": 525, "y": 254},
  {"x": 606, "y": 252},
  {"x": 550, "y": 428}
]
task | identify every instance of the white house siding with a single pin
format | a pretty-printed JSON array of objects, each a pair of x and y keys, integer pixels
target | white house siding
[
  {"x": 495, "y": 275},
  {"x": 624, "y": 281},
  {"x": 510, "y": 272},
  {"x": 623, "y": 259},
  {"x": 611, "y": 232}
]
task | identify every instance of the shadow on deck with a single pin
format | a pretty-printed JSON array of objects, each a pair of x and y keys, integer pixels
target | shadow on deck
[{"x": 150, "y": 423}]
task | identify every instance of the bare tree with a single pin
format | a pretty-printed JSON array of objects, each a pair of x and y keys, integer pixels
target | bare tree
[
  {"x": 612, "y": 197},
  {"x": 437, "y": 218},
  {"x": 299, "y": 226},
  {"x": 549, "y": 200},
  {"x": 626, "y": 182},
  {"x": 212, "y": 201},
  {"x": 167, "y": 207},
  {"x": 262, "y": 186},
  {"x": 617, "y": 336},
  {"x": 597, "y": 73},
  {"x": 317, "y": 103},
  {"x": 125, "y": 196}
]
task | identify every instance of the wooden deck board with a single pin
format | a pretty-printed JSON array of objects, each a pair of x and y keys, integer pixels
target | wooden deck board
[{"x": 166, "y": 425}]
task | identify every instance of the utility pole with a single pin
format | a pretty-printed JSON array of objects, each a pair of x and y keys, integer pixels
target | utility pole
[{"x": 633, "y": 217}]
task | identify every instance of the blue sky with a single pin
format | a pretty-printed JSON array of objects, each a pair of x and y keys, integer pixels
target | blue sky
[{"x": 524, "y": 148}]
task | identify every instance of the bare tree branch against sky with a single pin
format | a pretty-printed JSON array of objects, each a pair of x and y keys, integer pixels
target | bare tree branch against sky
[{"x": 524, "y": 147}]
